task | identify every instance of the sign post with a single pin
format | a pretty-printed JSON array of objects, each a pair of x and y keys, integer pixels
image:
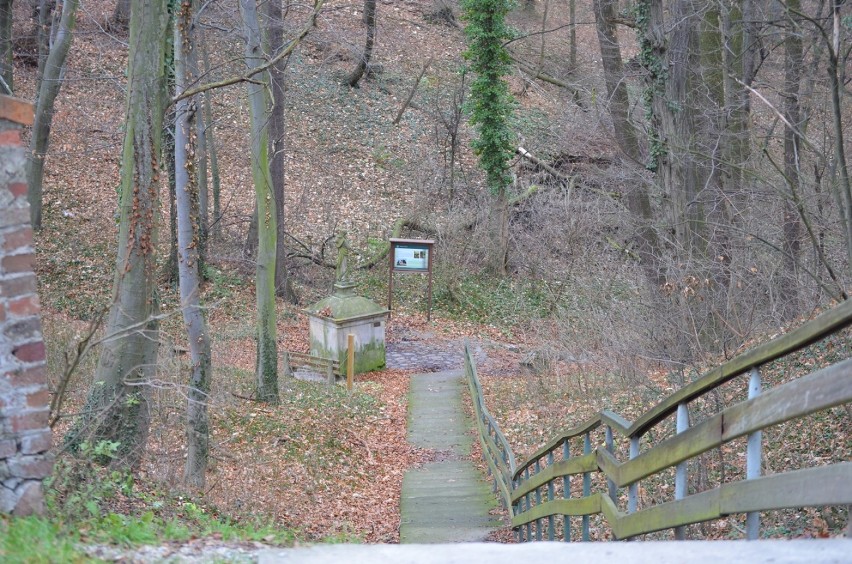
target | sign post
[{"x": 407, "y": 256}]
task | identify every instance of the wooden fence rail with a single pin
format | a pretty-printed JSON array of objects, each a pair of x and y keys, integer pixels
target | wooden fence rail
[
  {"x": 329, "y": 367},
  {"x": 542, "y": 498}
]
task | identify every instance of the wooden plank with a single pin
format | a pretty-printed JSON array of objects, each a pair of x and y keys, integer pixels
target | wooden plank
[
  {"x": 681, "y": 447},
  {"x": 811, "y": 487},
  {"x": 820, "y": 390},
  {"x": 691, "y": 509},
  {"x": 559, "y": 438},
  {"x": 829, "y": 322},
  {"x": 616, "y": 421},
  {"x": 16, "y": 110},
  {"x": 574, "y": 507},
  {"x": 609, "y": 465},
  {"x": 574, "y": 465}
]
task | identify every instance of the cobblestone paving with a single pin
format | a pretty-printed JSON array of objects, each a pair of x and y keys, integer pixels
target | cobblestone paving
[{"x": 424, "y": 354}]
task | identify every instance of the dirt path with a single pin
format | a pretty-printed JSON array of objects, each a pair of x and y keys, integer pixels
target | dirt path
[{"x": 446, "y": 500}]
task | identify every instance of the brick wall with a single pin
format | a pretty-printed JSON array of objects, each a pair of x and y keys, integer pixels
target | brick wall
[{"x": 25, "y": 437}]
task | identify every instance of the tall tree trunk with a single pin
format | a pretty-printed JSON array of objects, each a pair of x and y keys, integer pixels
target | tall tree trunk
[
  {"x": 211, "y": 148},
  {"x": 626, "y": 137},
  {"x": 277, "y": 130},
  {"x": 844, "y": 186},
  {"x": 189, "y": 233},
  {"x": 259, "y": 103},
  {"x": 364, "y": 60},
  {"x": 572, "y": 33},
  {"x": 6, "y": 67},
  {"x": 201, "y": 126},
  {"x": 117, "y": 406},
  {"x": 673, "y": 121},
  {"x": 793, "y": 61},
  {"x": 121, "y": 14},
  {"x": 51, "y": 82}
]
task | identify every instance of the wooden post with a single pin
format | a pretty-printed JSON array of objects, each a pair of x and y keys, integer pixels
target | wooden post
[
  {"x": 350, "y": 360},
  {"x": 680, "y": 469},
  {"x": 390, "y": 281},
  {"x": 429, "y": 306},
  {"x": 753, "y": 457}
]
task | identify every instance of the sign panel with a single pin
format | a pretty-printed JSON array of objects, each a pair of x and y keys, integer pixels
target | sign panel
[{"x": 411, "y": 257}]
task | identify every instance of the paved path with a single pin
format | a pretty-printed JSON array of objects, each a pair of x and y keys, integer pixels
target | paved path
[{"x": 446, "y": 500}]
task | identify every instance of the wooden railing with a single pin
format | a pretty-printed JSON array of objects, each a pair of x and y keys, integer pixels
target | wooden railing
[
  {"x": 495, "y": 448},
  {"x": 327, "y": 366},
  {"x": 543, "y": 500}
]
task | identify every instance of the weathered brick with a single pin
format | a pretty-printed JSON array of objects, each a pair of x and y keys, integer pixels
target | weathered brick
[
  {"x": 22, "y": 262},
  {"x": 36, "y": 443},
  {"x": 29, "y": 420},
  {"x": 38, "y": 398},
  {"x": 20, "y": 285},
  {"x": 30, "y": 499},
  {"x": 18, "y": 189},
  {"x": 24, "y": 306},
  {"x": 24, "y": 330},
  {"x": 30, "y": 352},
  {"x": 31, "y": 376},
  {"x": 18, "y": 238},
  {"x": 18, "y": 215},
  {"x": 10, "y": 137},
  {"x": 8, "y": 448}
]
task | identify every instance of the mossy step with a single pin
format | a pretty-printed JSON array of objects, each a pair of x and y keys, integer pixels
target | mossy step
[{"x": 448, "y": 500}]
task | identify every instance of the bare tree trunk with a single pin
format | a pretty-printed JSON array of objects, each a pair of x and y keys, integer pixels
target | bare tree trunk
[
  {"x": 259, "y": 104},
  {"x": 6, "y": 67},
  {"x": 277, "y": 131},
  {"x": 793, "y": 61},
  {"x": 117, "y": 407},
  {"x": 836, "y": 86},
  {"x": 364, "y": 61},
  {"x": 189, "y": 232},
  {"x": 572, "y": 33},
  {"x": 211, "y": 149},
  {"x": 201, "y": 126},
  {"x": 121, "y": 14},
  {"x": 49, "y": 85},
  {"x": 638, "y": 201}
]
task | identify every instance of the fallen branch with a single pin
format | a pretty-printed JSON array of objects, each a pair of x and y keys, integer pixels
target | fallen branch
[
  {"x": 411, "y": 94},
  {"x": 562, "y": 176}
]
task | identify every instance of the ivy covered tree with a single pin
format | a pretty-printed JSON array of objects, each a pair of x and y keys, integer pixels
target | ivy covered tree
[{"x": 491, "y": 104}]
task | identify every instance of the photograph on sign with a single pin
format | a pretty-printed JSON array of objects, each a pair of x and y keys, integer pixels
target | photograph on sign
[{"x": 411, "y": 257}]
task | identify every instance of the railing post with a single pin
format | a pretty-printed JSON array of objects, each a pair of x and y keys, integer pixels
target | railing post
[
  {"x": 587, "y": 485},
  {"x": 566, "y": 494},
  {"x": 633, "y": 489},
  {"x": 610, "y": 485},
  {"x": 527, "y": 499},
  {"x": 753, "y": 457},
  {"x": 538, "y": 502},
  {"x": 680, "y": 469},
  {"x": 551, "y": 493}
]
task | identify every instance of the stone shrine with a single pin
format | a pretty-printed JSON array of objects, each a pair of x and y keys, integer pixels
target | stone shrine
[{"x": 343, "y": 313}]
